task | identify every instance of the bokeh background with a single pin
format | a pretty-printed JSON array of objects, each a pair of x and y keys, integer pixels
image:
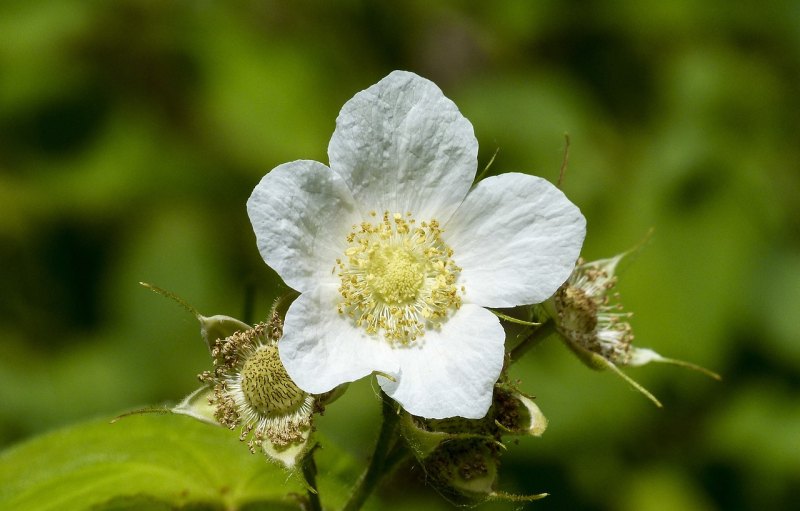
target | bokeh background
[{"x": 132, "y": 133}]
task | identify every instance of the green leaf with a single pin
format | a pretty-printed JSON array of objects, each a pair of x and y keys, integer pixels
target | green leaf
[{"x": 142, "y": 462}]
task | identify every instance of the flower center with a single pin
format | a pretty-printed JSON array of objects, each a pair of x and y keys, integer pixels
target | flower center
[
  {"x": 395, "y": 274},
  {"x": 577, "y": 311},
  {"x": 398, "y": 277},
  {"x": 266, "y": 386}
]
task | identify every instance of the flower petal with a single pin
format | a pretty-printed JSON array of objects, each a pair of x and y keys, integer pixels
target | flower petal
[
  {"x": 321, "y": 348},
  {"x": 301, "y": 213},
  {"x": 516, "y": 238},
  {"x": 453, "y": 370},
  {"x": 402, "y": 146}
]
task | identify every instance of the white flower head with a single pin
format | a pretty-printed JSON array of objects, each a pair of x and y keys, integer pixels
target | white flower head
[{"x": 395, "y": 256}]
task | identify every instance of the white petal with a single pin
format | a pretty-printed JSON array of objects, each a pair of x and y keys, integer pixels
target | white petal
[
  {"x": 516, "y": 238},
  {"x": 402, "y": 146},
  {"x": 301, "y": 213},
  {"x": 321, "y": 348},
  {"x": 452, "y": 372}
]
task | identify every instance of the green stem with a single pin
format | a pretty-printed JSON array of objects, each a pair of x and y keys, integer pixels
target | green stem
[
  {"x": 310, "y": 475},
  {"x": 378, "y": 463},
  {"x": 532, "y": 340},
  {"x": 396, "y": 456}
]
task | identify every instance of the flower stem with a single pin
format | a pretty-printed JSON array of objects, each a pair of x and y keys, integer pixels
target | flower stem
[
  {"x": 378, "y": 465},
  {"x": 534, "y": 338},
  {"x": 310, "y": 475}
]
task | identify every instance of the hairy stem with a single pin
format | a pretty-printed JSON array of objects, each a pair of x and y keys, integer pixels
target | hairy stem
[
  {"x": 310, "y": 475},
  {"x": 378, "y": 465}
]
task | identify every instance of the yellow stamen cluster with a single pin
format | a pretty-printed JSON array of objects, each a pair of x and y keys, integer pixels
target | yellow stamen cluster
[{"x": 398, "y": 277}]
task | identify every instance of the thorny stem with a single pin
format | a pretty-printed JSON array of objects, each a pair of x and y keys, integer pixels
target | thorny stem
[
  {"x": 534, "y": 338},
  {"x": 310, "y": 475},
  {"x": 379, "y": 463}
]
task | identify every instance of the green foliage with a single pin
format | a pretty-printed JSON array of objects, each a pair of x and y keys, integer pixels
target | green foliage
[
  {"x": 132, "y": 132},
  {"x": 142, "y": 461}
]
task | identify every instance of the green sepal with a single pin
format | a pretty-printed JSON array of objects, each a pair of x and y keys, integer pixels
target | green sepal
[
  {"x": 423, "y": 442},
  {"x": 211, "y": 328},
  {"x": 589, "y": 358},
  {"x": 511, "y": 497},
  {"x": 219, "y": 327},
  {"x": 461, "y": 456},
  {"x": 516, "y": 413},
  {"x": 292, "y": 457},
  {"x": 599, "y": 363},
  {"x": 512, "y": 319},
  {"x": 197, "y": 405},
  {"x": 289, "y": 456},
  {"x": 641, "y": 356},
  {"x": 465, "y": 470}
]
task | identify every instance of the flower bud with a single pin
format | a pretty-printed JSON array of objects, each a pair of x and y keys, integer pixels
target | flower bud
[
  {"x": 517, "y": 414},
  {"x": 219, "y": 327},
  {"x": 468, "y": 468},
  {"x": 462, "y": 456}
]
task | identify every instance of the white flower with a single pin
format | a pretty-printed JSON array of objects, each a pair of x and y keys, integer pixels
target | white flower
[{"x": 396, "y": 257}]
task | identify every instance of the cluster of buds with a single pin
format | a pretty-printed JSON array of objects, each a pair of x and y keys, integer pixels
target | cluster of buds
[
  {"x": 462, "y": 456},
  {"x": 249, "y": 388}
]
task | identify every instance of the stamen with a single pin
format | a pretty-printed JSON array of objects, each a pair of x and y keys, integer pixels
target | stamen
[
  {"x": 588, "y": 317},
  {"x": 253, "y": 390},
  {"x": 398, "y": 277}
]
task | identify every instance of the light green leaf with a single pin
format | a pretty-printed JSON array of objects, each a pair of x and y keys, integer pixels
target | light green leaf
[{"x": 142, "y": 462}]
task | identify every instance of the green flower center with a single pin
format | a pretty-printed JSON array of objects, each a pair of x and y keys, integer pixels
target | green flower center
[
  {"x": 266, "y": 386},
  {"x": 395, "y": 274}
]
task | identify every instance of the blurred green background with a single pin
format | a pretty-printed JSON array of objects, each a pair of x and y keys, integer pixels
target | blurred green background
[{"x": 132, "y": 133}]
